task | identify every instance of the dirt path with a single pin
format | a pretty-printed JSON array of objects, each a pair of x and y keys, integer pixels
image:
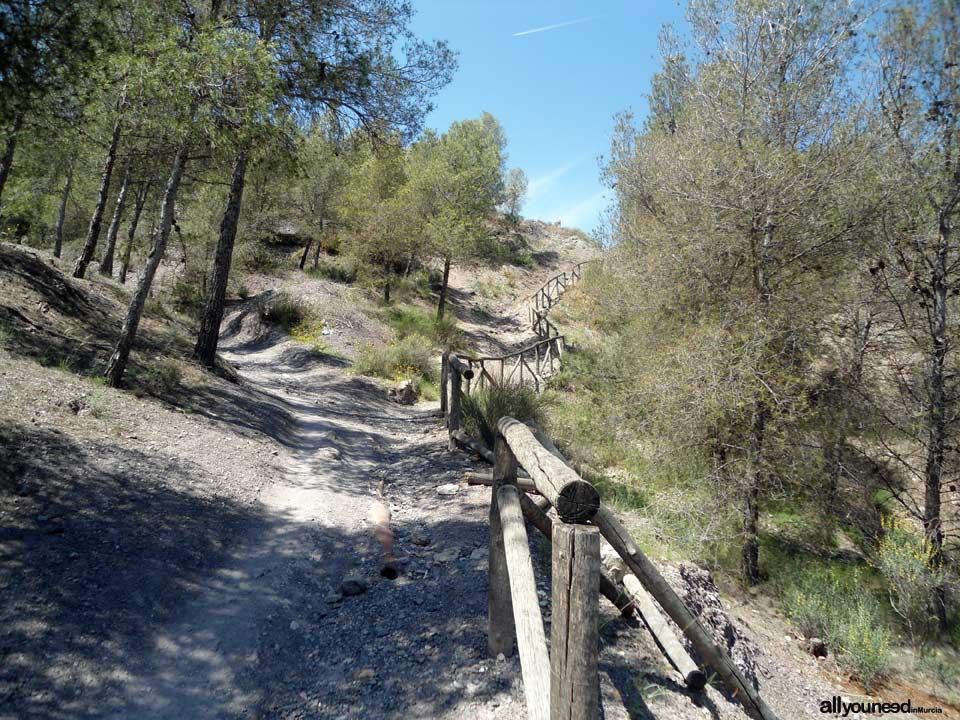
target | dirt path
[{"x": 271, "y": 633}]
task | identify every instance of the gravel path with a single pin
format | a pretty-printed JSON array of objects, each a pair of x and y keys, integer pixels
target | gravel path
[{"x": 276, "y": 630}]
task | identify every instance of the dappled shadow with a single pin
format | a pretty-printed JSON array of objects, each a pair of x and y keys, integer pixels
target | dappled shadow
[
  {"x": 131, "y": 592},
  {"x": 98, "y": 546}
]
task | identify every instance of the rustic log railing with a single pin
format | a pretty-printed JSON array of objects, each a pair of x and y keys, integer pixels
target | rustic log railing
[
  {"x": 532, "y": 364},
  {"x": 564, "y": 683},
  {"x": 546, "y": 297}
]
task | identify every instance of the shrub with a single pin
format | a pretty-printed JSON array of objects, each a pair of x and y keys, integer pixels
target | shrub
[
  {"x": 838, "y": 607},
  {"x": 907, "y": 561},
  {"x": 483, "y": 409},
  {"x": 407, "y": 320},
  {"x": 409, "y": 357},
  {"x": 286, "y": 311},
  {"x": 341, "y": 270},
  {"x": 160, "y": 379},
  {"x": 311, "y": 333}
]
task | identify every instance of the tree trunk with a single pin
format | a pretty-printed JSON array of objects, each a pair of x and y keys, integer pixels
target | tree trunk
[
  {"x": 751, "y": 509},
  {"x": 443, "y": 288},
  {"x": 306, "y": 251},
  {"x": 106, "y": 260},
  {"x": 206, "y": 348},
  {"x": 62, "y": 215},
  {"x": 7, "y": 161},
  {"x": 937, "y": 419},
  {"x": 93, "y": 233},
  {"x": 142, "y": 194},
  {"x": 121, "y": 353},
  {"x": 318, "y": 248}
]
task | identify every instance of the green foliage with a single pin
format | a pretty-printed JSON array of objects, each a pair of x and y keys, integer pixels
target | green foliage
[
  {"x": 407, "y": 320},
  {"x": 839, "y": 605},
  {"x": 341, "y": 270},
  {"x": 483, "y": 408},
  {"x": 912, "y": 571},
  {"x": 286, "y": 311},
  {"x": 310, "y": 332},
  {"x": 411, "y": 357},
  {"x": 159, "y": 378}
]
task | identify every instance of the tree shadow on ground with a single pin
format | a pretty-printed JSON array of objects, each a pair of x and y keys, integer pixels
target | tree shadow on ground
[{"x": 128, "y": 591}]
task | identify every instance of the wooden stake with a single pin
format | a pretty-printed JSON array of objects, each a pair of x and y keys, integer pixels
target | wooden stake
[
  {"x": 575, "y": 637},
  {"x": 531, "y": 639},
  {"x": 499, "y": 606}
]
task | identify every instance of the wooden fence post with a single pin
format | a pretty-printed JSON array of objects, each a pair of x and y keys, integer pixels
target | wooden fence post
[
  {"x": 499, "y": 605},
  {"x": 444, "y": 363},
  {"x": 453, "y": 418},
  {"x": 575, "y": 636}
]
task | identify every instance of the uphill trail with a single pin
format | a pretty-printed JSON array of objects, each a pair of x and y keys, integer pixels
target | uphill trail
[{"x": 299, "y": 621}]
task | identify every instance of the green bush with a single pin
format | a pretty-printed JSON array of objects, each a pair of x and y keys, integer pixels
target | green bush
[
  {"x": 905, "y": 558},
  {"x": 341, "y": 270},
  {"x": 838, "y": 606},
  {"x": 410, "y": 357},
  {"x": 407, "y": 320},
  {"x": 482, "y": 410},
  {"x": 160, "y": 378},
  {"x": 286, "y": 311}
]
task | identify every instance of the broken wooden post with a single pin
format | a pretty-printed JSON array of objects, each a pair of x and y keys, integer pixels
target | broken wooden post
[
  {"x": 575, "y": 635},
  {"x": 575, "y": 500},
  {"x": 444, "y": 362},
  {"x": 499, "y": 606},
  {"x": 700, "y": 638},
  {"x": 453, "y": 416},
  {"x": 653, "y": 619},
  {"x": 531, "y": 639}
]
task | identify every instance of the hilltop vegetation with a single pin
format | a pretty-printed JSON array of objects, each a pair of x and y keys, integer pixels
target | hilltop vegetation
[{"x": 773, "y": 332}]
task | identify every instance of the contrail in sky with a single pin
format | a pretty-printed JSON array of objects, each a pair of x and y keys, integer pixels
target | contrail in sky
[{"x": 554, "y": 27}]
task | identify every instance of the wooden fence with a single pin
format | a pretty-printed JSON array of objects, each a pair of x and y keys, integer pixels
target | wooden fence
[
  {"x": 531, "y": 364},
  {"x": 547, "y": 296},
  {"x": 529, "y": 477}
]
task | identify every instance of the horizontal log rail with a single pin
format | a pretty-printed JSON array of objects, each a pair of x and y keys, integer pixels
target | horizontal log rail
[
  {"x": 530, "y": 365},
  {"x": 637, "y": 587}
]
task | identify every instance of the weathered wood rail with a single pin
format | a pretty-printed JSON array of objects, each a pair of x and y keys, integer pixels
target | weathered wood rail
[
  {"x": 534, "y": 363},
  {"x": 564, "y": 682},
  {"x": 547, "y": 296}
]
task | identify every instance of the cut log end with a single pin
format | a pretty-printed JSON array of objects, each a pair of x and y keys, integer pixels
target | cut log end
[
  {"x": 578, "y": 502},
  {"x": 696, "y": 680}
]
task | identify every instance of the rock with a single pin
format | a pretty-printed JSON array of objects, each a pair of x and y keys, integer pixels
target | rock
[
  {"x": 294, "y": 625},
  {"x": 421, "y": 539},
  {"x": 479, "y": 554},
  {"x": 406, "y": 394},
  {"x": 333, "y": 597},
  {"x": 447, "y": 555},
  {"x": 364, "y": 674},
  {"x": 327, "y": 453},
  {"x": 817, "y": 647},
  {"x": 353, "y": 585},
  {"x": 448, "y": 489}
]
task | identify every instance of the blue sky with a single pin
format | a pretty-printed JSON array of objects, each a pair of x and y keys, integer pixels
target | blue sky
[{"x": 555, "y": 90}]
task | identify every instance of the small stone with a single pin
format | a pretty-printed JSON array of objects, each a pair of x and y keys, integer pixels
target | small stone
[
  {"x": 448, "y": 489},
  {"x": 364, "y": 674},
  {"x": 333, "y": 597},
  {"x": 421, "y": 539},
  {"x": 478, "y": 554},
  {"x": 447, "y": 555},
  {"x": 294, "y": 625},
  {"x": 501, "y": 658},
  {"x": 353, "y": 585}
]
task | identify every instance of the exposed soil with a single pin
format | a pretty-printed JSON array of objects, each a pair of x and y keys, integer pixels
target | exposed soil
[{"x": 212, "y": 554}]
